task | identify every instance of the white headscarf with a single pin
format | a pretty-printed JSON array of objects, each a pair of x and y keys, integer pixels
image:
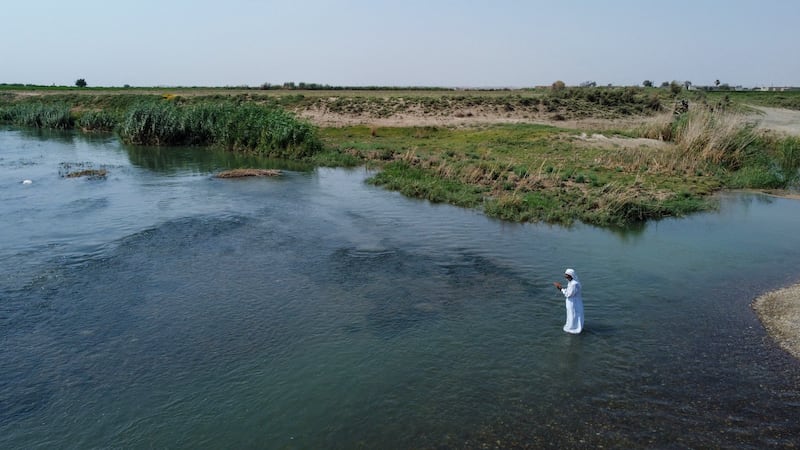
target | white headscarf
[{"x": 571, "y": 272}]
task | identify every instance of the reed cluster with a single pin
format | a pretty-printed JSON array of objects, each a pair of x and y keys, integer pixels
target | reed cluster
[
  {"x": 267, "y": 130},
  {"x": 715, "y": 137},
  {"x": 35, "y": 115},
  {"x": 97, "y": 121}
]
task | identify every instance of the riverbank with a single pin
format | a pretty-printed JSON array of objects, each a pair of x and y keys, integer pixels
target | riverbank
[
  {"x": 779, "y": 312},
  {"x": 602, "y": 156}
]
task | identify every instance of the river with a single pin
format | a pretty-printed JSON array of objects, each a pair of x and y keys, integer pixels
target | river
[{"x": 162, "y": 307}]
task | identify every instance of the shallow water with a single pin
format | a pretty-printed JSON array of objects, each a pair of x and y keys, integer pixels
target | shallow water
[{"x": 161, "y": 307}]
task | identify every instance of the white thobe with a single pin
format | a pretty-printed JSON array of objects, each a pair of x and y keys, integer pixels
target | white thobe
[{"x": 574, "y": 303}]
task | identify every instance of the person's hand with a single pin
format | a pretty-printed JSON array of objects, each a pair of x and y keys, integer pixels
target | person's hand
[{"x": 558, "y": 285}]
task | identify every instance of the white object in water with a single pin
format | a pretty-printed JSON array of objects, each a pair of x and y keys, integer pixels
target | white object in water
[{"x": 27, "y": 182}]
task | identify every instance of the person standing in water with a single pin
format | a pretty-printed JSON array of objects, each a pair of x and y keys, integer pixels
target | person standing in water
[{"x": 574, "y": 302}]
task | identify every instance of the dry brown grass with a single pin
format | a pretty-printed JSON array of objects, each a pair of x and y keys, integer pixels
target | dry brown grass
[
  {"x": 779, "y": 311},
  {"x": 699, "y": 138},
  {"x": 658, "y": 127},
  {"x": 239, "y": 173},
  {"x": 717, "y": 137}
]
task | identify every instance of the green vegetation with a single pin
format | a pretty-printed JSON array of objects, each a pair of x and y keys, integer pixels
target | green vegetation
[
  {"x": 786, "y": 99},
  {"x": 267, "y": 130},
  {"x": 51, "y": 116},
  {"x": 529, "y": 173},
  {"x": 543, "y": 173},
  {"x": 519, "y": 172},
  {"x": 100, "y": 121}
]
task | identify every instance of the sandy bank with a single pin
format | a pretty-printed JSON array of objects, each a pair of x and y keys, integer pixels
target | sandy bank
[
  {"x": 779, "y": 119},
  {"x": 779, "y": 311}
]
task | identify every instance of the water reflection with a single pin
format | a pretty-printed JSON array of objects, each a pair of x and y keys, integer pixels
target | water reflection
[
  {"x": 166, "y": 308},
  {"x": 171, "y": 160}
]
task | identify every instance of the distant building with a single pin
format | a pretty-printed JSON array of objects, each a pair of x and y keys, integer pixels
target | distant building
[{"x": 777, "y": 88}]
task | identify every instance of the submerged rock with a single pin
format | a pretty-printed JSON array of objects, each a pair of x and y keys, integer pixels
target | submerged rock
[
  {"x": 82, "y": 169},
  {"x": 94, "y": 174},
  {"x": 240, "y": 173}
]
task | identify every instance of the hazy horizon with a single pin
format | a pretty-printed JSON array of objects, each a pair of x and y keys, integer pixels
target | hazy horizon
[{"x": 503, "y": 44}]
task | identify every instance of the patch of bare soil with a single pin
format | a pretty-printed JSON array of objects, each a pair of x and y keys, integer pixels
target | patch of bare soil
[
  {"x": 241, "y": 173},
  {"x": 602, "y": 141},
  {"x": 475, "y": 117},
  {"x": 778, "y": 119},
  {"x": 779, "y": 311}
]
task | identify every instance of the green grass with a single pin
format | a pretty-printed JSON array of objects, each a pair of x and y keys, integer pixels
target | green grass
[
  {"x": 540, "y": 173},
  {"x": 97, "y": 121},
  {"x": 518, "y": 172},
  {"x": 786, "y": 99},
  {"x": 522, "y": 173},
  {"x": 166, "y": 120},
  {"x": 414, "y": 182},
  {"x": 49, "y": 116}
]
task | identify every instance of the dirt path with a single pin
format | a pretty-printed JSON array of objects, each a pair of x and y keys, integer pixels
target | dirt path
[
  {"x": 779, "y": 119},
  {"x": 474, "y": 117}
]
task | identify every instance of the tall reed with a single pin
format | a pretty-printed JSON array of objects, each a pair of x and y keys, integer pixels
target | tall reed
[
  {"x": 268, "y": 130},
  {"x": 91, "y": 121},
  {"x": 716, "y": 137},
  {"x": 37, "y": 115}
]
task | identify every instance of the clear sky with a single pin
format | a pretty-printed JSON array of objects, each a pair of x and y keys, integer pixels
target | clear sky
[{"x": 500, "y": 43}]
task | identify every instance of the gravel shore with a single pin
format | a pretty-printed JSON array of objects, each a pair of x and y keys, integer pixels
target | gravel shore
[{"x": 779, "y": 311}]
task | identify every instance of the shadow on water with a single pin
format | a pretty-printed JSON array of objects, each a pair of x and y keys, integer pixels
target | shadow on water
[{"x": 167, "y": 160}]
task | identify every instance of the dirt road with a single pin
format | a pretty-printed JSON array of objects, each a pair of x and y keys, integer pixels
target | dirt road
[{"x": 779, "y": 119}]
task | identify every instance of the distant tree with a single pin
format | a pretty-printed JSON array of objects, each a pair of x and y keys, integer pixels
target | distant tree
[
  {"x": 81, "y": 83},
  {"x": 716, "y": 83},
  {"x": 675, "y": 87},
  {"x": 665, "y": 84},
  {"x": 687, "y": 84},
  {"x": 647, "y": 83},
  {"x": 558, "y": 85}
]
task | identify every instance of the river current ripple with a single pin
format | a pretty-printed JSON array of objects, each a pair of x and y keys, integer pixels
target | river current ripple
[{"x": 161, "y": 307}]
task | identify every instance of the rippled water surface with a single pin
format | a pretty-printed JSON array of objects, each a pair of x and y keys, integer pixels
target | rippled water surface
[{"x": 161, "y": 307}]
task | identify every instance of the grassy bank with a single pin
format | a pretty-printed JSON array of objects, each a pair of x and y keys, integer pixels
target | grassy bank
[
  {"x": 529, "y": 173},
  {"x": 526, "y": 172},
  {"x": 786, "y": 99},
  {"x": 265, "y": 129},
  {"x": 518, "y": 172}
]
